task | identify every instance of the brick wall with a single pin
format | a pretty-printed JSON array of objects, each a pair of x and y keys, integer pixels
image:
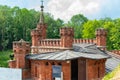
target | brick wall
[
  {"x": 95, "y": 69},
  {"x": 82, "y": 69},
  {"x": 42, "y": 70}
]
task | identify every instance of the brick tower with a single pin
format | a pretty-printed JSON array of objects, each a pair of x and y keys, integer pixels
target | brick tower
[
  {"x": 40, "y": 31},
  {"x": 101, "y": 35},
  {"x": 21, "y": 49},
  {"x": 67, "y": 35},
  {"x": 41, "y": 25}
]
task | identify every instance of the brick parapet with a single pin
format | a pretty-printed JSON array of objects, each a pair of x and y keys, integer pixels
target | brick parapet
[
  {"x": 35, "y": 32},
  {"x": 12, "y": 63},
  {"x": 50, "y": 42},
  {"x": 85, "y": 41}
]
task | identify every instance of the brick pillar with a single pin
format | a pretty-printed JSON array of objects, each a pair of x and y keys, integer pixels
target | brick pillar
[
  {"x": 101, "y": 35},
  {"x": 67, "y": 35},
  {"x": 42, "y": 28},
  {"x": 66, "y": 69}
]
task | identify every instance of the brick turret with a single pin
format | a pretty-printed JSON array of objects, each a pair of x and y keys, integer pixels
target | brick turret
[
  {"x": 21, "y": 49},
  {"x": 40, "y": 31},
  {"x": 101, "y": 35},
  {"x": 35, "y": 37},
  {"x": 42, "y": 28},
  {"x": 67, "y": 35}
]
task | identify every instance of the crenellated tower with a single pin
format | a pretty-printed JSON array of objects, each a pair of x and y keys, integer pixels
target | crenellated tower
[
  {"x": 67, "y": 36},
  {"x": 40, "y": 31},
  {"x": 41, "y": 25},
  {"x": 101, "y": 35},
  {"x": 21, "y": 49}
]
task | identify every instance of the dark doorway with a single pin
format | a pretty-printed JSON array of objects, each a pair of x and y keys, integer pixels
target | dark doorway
[{"x": 74, "y": 69}]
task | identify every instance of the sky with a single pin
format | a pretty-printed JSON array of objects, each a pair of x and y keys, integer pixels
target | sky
[{"x": 65, "y": 9}]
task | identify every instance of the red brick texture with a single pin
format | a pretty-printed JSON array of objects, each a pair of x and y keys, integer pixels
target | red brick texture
[
  {"x": 67, "y": 35},
  {"x": 35, "y": 37},
  {"x": 82, "y": 69},
  {"x": 101, "y": 36},
  {"x": 42, "y": 70},
  {"x": 21, "y": 49},
  {"x": 42, "y": 28},
  {"x": 12, "y": 64},
  {"x": 95, "y": 69}
]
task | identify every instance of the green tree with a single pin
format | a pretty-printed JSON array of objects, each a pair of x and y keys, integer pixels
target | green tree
[
  {"x": 53, "y": 26},
  {"x": 113, "y": 38},
  {"x": 77, "y": 22},
  {"x": 89, "y": 28}
]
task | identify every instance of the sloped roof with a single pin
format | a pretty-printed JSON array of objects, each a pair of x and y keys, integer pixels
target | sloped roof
[
  {"x": 112, "y": 62},
  {"x": 79, "y": 50}
]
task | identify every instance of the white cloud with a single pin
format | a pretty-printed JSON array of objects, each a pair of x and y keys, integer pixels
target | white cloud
[{"x": 65, "y": 9}]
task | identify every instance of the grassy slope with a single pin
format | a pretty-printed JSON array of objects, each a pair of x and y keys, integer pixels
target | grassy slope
[
  {"x": 113, "y": 74},
  {"x": 4, "y": 57}
]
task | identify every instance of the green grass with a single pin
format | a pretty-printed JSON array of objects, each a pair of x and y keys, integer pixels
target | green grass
[
  {"x": 110, "y": 75},
  {"x": 4, "y": 58}
]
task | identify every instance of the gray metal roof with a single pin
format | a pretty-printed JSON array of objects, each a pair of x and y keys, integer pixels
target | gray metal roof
[
  {"x": 112, "y": 62},
  {"x": 79, "y": 50}
]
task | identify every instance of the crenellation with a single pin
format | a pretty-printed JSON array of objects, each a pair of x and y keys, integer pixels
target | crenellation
[
  {"x": 101, "y": 32},
  {"x": 35, "y": 32},
  {"x": 101, "y": 36},
  {"x": 66, "y": 31},
  {"x": 67, "y": 35}
]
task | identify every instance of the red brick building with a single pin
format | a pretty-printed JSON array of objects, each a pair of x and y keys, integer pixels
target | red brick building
[{"x": 66, "y": 58}]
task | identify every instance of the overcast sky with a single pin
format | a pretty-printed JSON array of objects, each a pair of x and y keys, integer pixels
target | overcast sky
[{"x": 64, "y": 9}]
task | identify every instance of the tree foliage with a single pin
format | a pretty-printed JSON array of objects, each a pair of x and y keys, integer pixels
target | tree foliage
[
  {"x": 89, "y": 28},
  {"x": 16, "y": 23},
  {"x": 77, "y": 22}
]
